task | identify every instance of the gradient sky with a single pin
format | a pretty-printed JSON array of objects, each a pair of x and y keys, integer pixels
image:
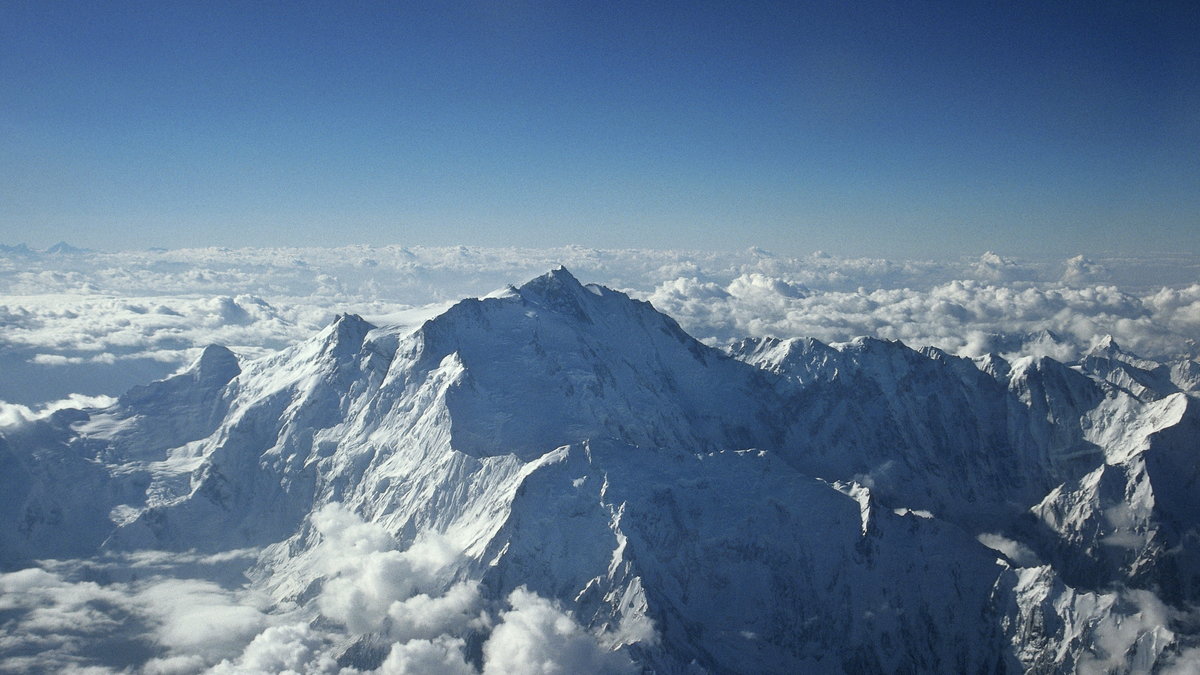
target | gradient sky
[{"x": 884, "y": 128}]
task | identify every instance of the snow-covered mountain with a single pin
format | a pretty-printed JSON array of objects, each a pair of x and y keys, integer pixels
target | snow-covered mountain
[{"x": 781, "y": 506}]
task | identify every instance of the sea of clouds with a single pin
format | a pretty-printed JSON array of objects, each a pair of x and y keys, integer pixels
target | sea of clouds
[{"x": 92, "y": 323}]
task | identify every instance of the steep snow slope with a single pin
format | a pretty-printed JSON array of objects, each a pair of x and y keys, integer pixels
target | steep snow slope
[
  {"x": 55, "y": 500},
  {"x": 66, "y": 479},
  {"x": 1135, "y": 519},
  {"x": 744, "y": 565},
  {"x": 787, "y": 506},
  {"x": 924, "y": 429}
]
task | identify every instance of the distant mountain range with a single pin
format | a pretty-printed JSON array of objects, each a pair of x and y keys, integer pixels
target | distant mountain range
[{"x": 61, "y": 248}]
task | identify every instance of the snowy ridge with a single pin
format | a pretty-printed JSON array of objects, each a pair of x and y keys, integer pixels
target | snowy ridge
[{"x": 782, "y": 506}]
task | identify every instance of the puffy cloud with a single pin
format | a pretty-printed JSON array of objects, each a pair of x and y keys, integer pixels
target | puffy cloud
[
  {"x": 423, "y": 616},
  {"x": 290, "y": 648},
  {"x": 1015, "y": 551},
  {"x": 373, "y": 588},
  {"x": 1080, "y": 270},
  {"x": 174, "y": 665},
  {"x": 440, "y": 656},
  {"x": 535, "y": 636},
  {"x": 749, "y": 285},
  {"x": 992, "y": 267}
]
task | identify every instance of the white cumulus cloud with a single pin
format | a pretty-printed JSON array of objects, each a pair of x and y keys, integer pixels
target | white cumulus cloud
[{"x": 537, "y": 637}]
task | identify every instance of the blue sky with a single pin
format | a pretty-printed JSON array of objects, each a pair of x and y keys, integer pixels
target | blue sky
[{"x": 881, "y": 128}]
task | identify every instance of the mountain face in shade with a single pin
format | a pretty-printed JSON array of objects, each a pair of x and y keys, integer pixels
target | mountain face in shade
[{"x": 780, "y": 506}]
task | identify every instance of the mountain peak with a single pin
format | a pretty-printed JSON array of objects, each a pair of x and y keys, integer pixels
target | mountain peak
[
  {"x": 558, "y": 278},
  {"x": 210, "y": 372},
  {"x": 19, "y": 249},
  {"x": 1106, "y": 346},
  {"x": 557, "y": 290},
  {"x": 346, "y": 333},
  {"x": 63, "y": 248},
  {"x": 348, "y": 321},
  {"x": 216, "y": 362}
]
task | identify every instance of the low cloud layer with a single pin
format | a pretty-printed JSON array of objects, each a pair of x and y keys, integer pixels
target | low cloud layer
[
  {"x": 15, "y": 413},
  {"x": 166, "y": 616},
  {"x": 58, "y": 620},
  {"x": 98, "y": 323},
  {"x": 969, "y": 318}
]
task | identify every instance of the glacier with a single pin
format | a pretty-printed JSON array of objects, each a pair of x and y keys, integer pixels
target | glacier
[{"x": 557, "y": 478}]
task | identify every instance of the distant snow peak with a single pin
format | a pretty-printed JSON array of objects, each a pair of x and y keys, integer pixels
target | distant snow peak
[
  {"x": 1105, "y": 345},
  {"x": 18, "y": 250},
  {"x": 63, "y": 248}
]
